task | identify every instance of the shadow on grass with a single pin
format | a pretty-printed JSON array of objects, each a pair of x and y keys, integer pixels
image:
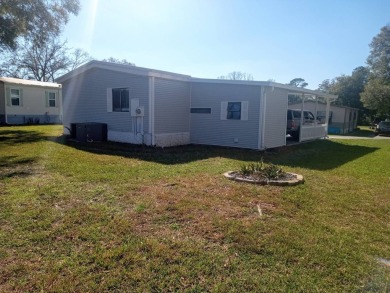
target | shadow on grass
[
  {"x": 11, "y": 161},
  {"x": 322, "y": 154},
  {"x": 12, "y": 137},
  {"x": 317, "y": 155},
  {"x": 10, "y": 166}
]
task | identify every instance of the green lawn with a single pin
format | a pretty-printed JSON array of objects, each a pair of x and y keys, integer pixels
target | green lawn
[{"x": 106, "y": 217}]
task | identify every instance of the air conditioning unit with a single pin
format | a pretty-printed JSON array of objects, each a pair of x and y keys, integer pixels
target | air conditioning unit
[{"x": 139, "y": 111}]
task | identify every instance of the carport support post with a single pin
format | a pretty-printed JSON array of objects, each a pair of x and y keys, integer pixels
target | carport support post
[
  {"x": 300, "y": 127},
  {"x": 327, "y": 115}
]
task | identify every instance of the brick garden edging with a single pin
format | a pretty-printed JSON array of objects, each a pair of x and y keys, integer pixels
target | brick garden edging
[{"x": 295, "y": 180}]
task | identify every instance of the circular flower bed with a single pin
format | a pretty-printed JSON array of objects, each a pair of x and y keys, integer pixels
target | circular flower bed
[
  {"x": 286, "y": 179},
  {"x": 266, "y": 174}
]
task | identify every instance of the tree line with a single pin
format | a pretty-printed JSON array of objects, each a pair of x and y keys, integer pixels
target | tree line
[{"x": 368, "y": 87}]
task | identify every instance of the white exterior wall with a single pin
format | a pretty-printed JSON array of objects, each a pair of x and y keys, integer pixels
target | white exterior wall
[
  {"x": 171, "y": 112},
  {"x": 214, "y": 128},
  {"x": 33, "y": 102},
  {"x": 275, "y": 101}
]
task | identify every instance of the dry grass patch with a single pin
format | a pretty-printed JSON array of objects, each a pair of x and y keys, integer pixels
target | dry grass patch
[{"x": 192, "y": 208}]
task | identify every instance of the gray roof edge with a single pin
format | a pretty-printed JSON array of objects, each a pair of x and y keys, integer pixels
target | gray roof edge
[
  {"x": 333, "y": 105},
  {"x": 123, "y": 68},
  {"x": 176, "y": 76},
  {"x": 28, "y": 82},
  {"x": 293, "y": 89}
]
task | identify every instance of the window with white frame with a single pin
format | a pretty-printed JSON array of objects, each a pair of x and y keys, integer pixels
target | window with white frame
[
  {"x": 120, "y": 100},
  {"x": 51, "y": 99},
  {"x": 15, "y": 97},
  {"x": 234, "y": 110}
]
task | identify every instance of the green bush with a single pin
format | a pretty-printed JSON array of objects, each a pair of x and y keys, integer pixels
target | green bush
[
  {"x": 260, "y": 169},
  {"x": 273, "y": 171}
]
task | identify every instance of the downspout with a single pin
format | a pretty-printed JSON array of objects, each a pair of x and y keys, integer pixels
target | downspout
[
  {"x": 151, "y": 110},
  {"x": 262, "y": 111},
  {"x": 60, "y": 104}
]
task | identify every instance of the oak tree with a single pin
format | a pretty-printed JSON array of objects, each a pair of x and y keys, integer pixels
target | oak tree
[{"x": 21, "y": 18}]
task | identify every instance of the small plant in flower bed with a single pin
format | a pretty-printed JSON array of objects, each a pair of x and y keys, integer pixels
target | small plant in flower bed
[{"x": 260, "y": 170}]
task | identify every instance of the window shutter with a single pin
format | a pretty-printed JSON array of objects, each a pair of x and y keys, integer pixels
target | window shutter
[
  {"x": 109, "y": 99},
  {"x": 224, "y": 106},
  {"x": 8, "y": 96},
  {"x": 21, "y": 97},
  {"x": 244, "y": 110},
  {"x": 47, "y": 98}
]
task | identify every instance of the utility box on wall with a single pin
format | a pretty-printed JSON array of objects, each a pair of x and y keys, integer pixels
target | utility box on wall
[{"x": 90, "y": 131}]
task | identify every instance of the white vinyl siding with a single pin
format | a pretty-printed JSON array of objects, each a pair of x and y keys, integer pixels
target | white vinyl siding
[
  {"x": 275, "y": 117},
  {"x": 244, "y": 110},
  {"x": 172, "y": 106},
  {"x": 224, "y": 106},
  {"x": 89, "y": 99},
  {"x": 215, "y": 128}
]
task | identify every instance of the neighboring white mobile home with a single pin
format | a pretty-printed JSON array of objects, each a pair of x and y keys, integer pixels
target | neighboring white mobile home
[
  {"x": 152, "y": 107},
  {"x": 29, "y": 101}
]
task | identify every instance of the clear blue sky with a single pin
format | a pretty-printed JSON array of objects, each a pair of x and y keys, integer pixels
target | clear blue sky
[{"x": 270, "y": 39}]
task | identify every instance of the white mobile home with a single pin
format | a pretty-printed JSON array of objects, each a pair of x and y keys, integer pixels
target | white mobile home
[
  {"x": 152, "y": 107},
  {"x": 139, "y": 105},
  {"x": 29, "y": 101}
]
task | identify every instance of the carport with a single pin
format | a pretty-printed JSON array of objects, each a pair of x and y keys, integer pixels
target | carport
[{"x": 311, "y": 131}]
